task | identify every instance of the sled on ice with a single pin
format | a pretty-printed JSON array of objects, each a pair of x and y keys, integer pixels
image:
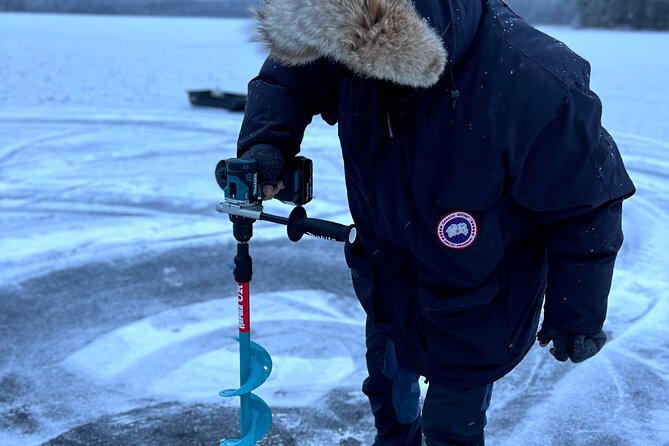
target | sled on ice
[{"x": 217, "y": 98}]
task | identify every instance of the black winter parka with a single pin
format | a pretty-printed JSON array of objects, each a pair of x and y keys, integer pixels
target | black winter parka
[{"x": 473, "y": 197}]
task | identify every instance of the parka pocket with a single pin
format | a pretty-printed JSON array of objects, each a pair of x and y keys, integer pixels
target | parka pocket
[
  {"x": 476, "y": 339},
  {"x": 465, "y": 329},
  {"x": 436, "y": 300},
  {"x": 457, "y": 232}
]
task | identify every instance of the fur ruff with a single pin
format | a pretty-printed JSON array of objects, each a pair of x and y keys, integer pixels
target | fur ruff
[{"x": 380, "y": 39}]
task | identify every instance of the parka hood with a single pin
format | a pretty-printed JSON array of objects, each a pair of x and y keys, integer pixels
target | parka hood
[{"x": 399, "y": 41}]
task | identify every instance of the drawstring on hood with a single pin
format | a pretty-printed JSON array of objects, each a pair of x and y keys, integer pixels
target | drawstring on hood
[
  {"x": 455, "y": 93},
  {"x": 457, "y": 22}
]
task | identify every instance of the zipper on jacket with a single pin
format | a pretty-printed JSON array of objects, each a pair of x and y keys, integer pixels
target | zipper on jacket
[{"x": 389, "y": 123}]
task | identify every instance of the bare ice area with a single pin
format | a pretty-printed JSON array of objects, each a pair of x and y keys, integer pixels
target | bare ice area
[{"x": 117, "y": 301}]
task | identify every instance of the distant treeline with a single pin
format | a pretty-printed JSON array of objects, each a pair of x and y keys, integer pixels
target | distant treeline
[
  {"x": 536, "y": 11},
  {"x": 546, "y": 12},
  {"x": 634, "y": 14},
  {"x": 631, "y": 14},
  {"x": 206, "y": 8}
]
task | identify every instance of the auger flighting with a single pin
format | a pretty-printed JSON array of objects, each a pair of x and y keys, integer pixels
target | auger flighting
[{"x": 239, "y": 180}]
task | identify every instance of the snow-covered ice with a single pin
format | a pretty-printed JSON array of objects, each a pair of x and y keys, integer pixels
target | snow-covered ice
[{"x": 104, "y": 165}]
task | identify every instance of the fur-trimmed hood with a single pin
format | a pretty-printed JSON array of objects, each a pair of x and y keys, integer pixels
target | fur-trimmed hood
[{"x": 395, "y": 40}]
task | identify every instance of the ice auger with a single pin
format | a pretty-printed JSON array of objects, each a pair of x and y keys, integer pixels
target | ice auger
[{"x": 238, "y": 178}]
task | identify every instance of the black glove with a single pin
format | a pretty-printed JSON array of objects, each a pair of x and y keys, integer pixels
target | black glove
[
  {"x": 578, "y": 348},
  {"x": 270, "y": 162}
]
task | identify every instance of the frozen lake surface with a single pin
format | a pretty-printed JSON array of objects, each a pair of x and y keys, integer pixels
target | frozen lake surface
[{"x": 117, "y": 309}]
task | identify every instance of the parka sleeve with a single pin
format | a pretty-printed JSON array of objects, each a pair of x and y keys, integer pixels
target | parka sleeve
[
  {"x": 574, "y": 181},
  {"x": 282, "y": 101}
]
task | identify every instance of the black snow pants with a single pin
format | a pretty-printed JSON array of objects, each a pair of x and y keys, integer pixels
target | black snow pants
[{"x": 452, "y": 415}]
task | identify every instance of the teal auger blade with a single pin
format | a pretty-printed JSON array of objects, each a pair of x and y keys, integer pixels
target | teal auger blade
[
  {"x": 261, "y": 422},
  {"x": 261, "y": 368},
  {"x": 262, "y": 417}
]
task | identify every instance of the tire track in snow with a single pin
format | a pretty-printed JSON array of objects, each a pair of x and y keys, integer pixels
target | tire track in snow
[
  {"x": 159, "y": 355},
  {"x": 55, "y": 215},
  {"x": 24, "y": 204},
  {"x": 11, "y": 150},
  {"x": 645, "y": 157},
  {"x": 163, "y": 121}
]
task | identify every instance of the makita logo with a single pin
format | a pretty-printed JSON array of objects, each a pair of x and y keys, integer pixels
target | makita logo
[{"x": 324, "y": 237}]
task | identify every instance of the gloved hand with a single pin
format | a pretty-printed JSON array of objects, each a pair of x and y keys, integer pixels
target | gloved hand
[
  {"x": 578, "y": 348},
  {"x": 270, "y": 165}
]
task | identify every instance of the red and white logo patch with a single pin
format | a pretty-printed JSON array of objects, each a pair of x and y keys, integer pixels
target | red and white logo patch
[{"x": 457, "y": 230}]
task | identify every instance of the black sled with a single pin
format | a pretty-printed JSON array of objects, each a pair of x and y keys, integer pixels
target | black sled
[{"x": 217, "y": 98}]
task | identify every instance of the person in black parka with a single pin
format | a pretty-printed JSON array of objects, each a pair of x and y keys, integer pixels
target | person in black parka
[{"x": 479, "y": 177}]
